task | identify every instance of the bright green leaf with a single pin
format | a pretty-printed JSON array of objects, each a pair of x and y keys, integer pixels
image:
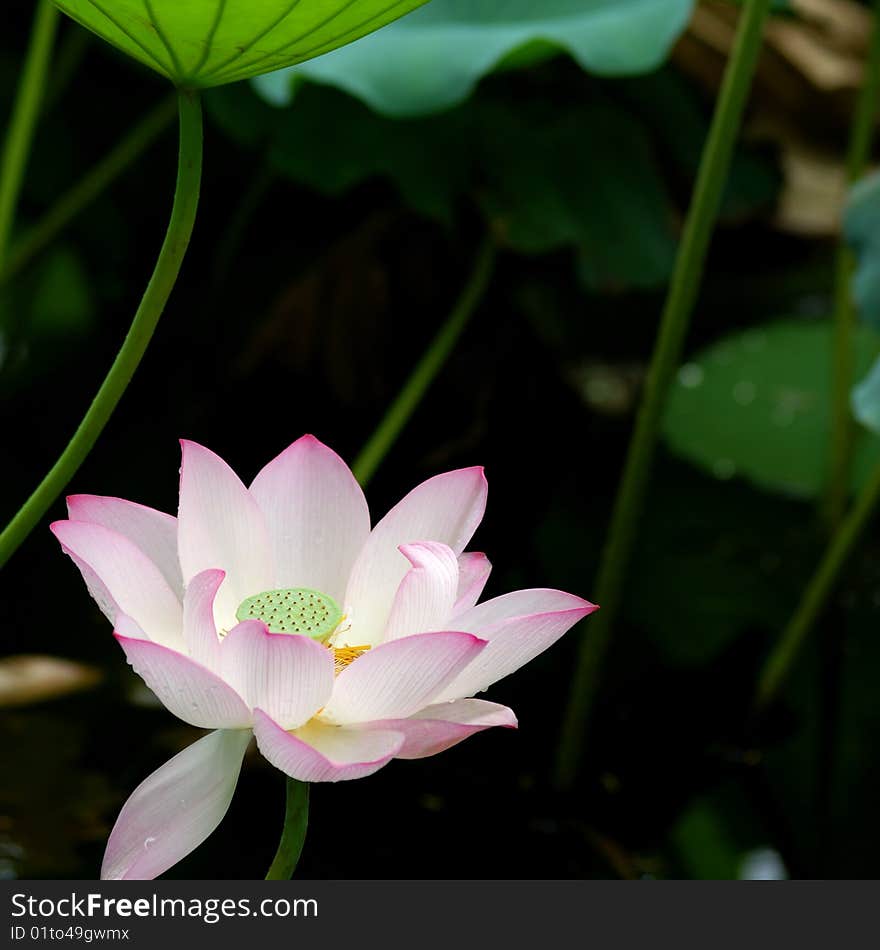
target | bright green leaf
[
  {"x": 757, "y": 404},
  {"x": 208, "y": 42},
  {"x": 433, "y": 60}
]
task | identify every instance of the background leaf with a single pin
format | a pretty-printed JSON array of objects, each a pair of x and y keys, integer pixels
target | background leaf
[
  {"x": 756, "y": 404},
  {"x": 434, "y": 59}
]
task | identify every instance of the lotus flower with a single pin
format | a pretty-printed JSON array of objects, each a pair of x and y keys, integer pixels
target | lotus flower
[{"x": 275, "y": 611}]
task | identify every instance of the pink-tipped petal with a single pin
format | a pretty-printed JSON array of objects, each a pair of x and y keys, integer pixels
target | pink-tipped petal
[
  {"x": 154, "y": 532},
  {"x": 427, "y": 593},
  {"x": 173, "y": 810},
  {"x": 396, "y": 679},
  {"x": 320, "y": 753},
  {"x": 221, "y": 526},
  {"x": 444, "y": 725},
  {"x": 289, "y": 677},
  {"x": 185, "y": 688},
  {"x": 316, "y": 514},
  {"x": 199, "y": 628},
  {"x": 447, "y": 508},
  {"x": 122, "y": 579},
  {"x": 517, "y": 626},
  {"x": 473, "y": 572}
]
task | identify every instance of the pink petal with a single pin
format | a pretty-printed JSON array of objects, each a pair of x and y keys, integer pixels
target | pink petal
[
  {"x": 518, "y": 626},
  {"x": 122, "y": 579},
  {"x": 427, "y": 593},
  {"x": 289, "y": 677},
  {"x": 447, "y": 508},
  {"x": 320, "y": 753},
  {"x": 185, "y": 688},
  {"x": 473, "y": 572},
  {"x": 221, "y": 526},
  {"x": 444, "y": 725},
  {"x": 316, "y": 514},
  {"x": 394, "y": 680},
  {"x": 173, "y": 810},
  {"x": 199, "y": 628},
  {"x": 154, "y": 532}
]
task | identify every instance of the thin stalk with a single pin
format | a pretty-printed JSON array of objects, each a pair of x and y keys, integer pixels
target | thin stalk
[
  {"x": 781, "y": 659},
  {"x": 99, "y": 177},
  {"x": 24, "y": 116},
  {"x": 296, "y": 822},
  {"x": 427, "y": 368},
  {"x": 152, "y": 304},
  {"x": 296, "y": 816},
  {"x": 689, "y": 264},
  {"x": 844, "y": 317}
]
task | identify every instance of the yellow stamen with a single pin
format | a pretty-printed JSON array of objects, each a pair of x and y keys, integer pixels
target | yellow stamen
[{"x": 342, "y": 656}]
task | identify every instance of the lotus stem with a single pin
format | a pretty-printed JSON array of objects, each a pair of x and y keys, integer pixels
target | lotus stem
[
  {"x": 128, "y": 358},
  {"x": 680, "y": 300},
  {"x": 296, "y": 821}
]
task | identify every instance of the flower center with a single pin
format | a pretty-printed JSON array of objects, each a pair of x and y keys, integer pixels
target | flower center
[{"x": 295, "y": 610}]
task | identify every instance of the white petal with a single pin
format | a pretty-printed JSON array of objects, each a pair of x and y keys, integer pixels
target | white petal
[
  {"x": 154, "y": 532},
  {"x": 185, "y": 688},
  {"x": 316, "y": 515},
  {"x": 199, "y": 628},
  {"x": 447, "y": 508},
  {"x": 173, "y": 810},
  {"x": 427, "y": 593},
  {"x": 321, "y": 753},
  {"x": 518, "y": 627},
  {"x": 396, "y": 679},
  {"x": 473, "y": 573},
  {"x": 122, "y": 579},
  {"x": 289, "y": 677},
  {"x": 221, "y": 526}
]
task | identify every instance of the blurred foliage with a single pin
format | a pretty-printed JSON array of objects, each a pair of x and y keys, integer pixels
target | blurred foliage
[
  {"x": 771, "y": 386},
  {"x": 433, "y": 59}
]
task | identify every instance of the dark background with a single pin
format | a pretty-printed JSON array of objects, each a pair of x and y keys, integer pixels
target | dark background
[{"x": 299, "y": 312}]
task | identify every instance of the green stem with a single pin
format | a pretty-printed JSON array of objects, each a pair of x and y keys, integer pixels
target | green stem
[
  {"x": 680, "y": 300},
  {"x": 427, "y": 368},
  {"x": 781, "y": 659},
  {"x": 99, "y": 177},
  {"x": 152, "y": 303},
  {"x": 844, "y": 317},
  {"x": 296, "y": 822},
  {"x": 24, "y": 116},
  {"x": 377, "y": 447}
]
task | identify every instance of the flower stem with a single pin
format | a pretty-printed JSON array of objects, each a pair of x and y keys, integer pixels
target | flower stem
[
  {"x": 24, "y": 116},
  {"x": 842, "y": 424},
  {"x": 371, "y": 456},
  {"x": 99, "y": 177},
  {"x": 152, "y": 303},
  {"x": 427, "y": 368},
  {"x": 296, "y": 821},
  {"x": 781, "y": 659},
  {"x": 626, "y": 514}
]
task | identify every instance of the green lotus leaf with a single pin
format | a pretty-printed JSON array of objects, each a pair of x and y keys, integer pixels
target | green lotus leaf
[
  {"x": 432, "y": 60},
  {"x": 200, "y": 43},
  {"x": 771, "y": 388}
]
